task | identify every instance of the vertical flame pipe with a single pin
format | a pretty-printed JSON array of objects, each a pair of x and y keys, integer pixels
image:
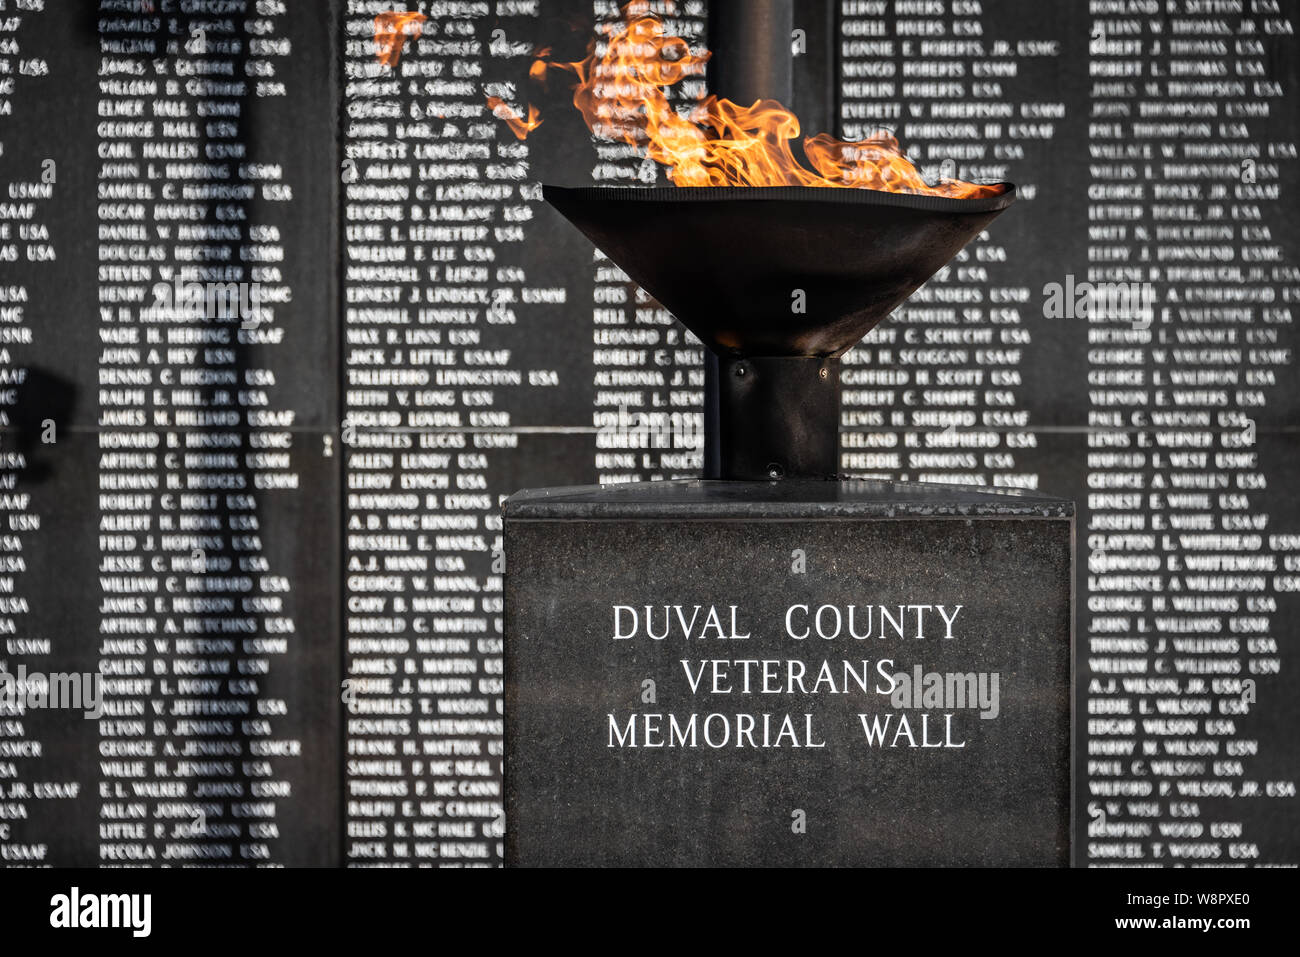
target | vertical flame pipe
[
  {"x": 752, "y": 60},
  {"x": 752, "y": 56}
]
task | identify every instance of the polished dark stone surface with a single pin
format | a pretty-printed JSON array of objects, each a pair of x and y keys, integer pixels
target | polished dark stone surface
[
  {"x": 574, "y": 554},
  {"x": 695, "y": 498}
]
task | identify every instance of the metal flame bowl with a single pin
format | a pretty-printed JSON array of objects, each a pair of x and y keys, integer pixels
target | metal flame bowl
[{"x": 777, "y": 271}]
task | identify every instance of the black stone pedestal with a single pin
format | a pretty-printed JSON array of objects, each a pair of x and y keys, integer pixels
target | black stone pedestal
[{"x": 793, "y": 673}]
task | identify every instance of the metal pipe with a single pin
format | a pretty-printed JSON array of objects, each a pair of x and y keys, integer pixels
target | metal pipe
[
  {"x": 752, "y": 57},
  {"x": 752, "y": 60},
  {"x": 778, "y": 418}
]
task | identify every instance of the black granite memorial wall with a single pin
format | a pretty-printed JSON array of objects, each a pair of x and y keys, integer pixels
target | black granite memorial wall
[{"x": 274, "y": 528}]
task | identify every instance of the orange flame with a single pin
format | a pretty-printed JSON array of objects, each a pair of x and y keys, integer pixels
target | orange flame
[
  {"x": 519, "y": 126},
  {"x": 392, "y": 27},
  {"x": 622, "y": 96},
  {"x": 538, "y": 70}
]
